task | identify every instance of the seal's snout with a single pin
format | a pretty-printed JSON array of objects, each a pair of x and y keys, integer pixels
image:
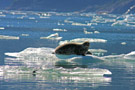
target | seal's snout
[{"x": 86, "y": 44}]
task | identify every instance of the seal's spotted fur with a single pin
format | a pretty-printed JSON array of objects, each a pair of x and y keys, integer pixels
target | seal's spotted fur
[{"x": 73, "y": 48}]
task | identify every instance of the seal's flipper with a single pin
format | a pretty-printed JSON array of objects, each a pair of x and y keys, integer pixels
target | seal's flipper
[{"x": 88, "y": 52}]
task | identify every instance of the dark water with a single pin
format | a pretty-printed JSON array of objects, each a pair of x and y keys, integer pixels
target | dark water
[{"x": 27, "y": 40}]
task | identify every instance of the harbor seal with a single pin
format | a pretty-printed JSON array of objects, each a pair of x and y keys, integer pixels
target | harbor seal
[{"x": 73, "y": 48}]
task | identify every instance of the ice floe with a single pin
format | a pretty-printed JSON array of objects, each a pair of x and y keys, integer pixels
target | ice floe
[
  {"x": 44, "y": 62},
  {"x": 86, "y": 32},
  {"x": 31, "y": 17},
  {"x": 130, "y": 56},
  {"x": 25, "y": 35},
  {"x": 33, "y": 57},
  {"x": 8, "y": 37},
  {"x": 123, "y": 43},
  {"x": 61, "y": 23},
  {"x": 56, "y": 29},
  {"x": 127, "y": 20},
  {"x": 54, "y": 36},
  {"x": 128, "y": 11},
  {"x": 81, "y": 40},
  {"x": 2, "y": 15},
  {"x": 96, "y": 32},
  {"x": 81, "y": 24},
  {"x": 98, "y": 52},
  {"x": 2, "y": 28},
  {"x": 42, "y": 17},
  {"x": 44, "y": 57},
  {"x": 100, "y": 19},
  {"x": 92, "y": 32},
  {"x": 68, "y": 21}
]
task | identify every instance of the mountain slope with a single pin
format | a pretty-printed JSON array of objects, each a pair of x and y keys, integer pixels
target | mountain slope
[{"x": 109, "y": 6}]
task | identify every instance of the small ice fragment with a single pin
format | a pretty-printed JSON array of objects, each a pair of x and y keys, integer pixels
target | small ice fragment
[
  {"x": 123, "y": 43},
  {"x": 56, "y": 29},
  {"x": 96, "y": 32},
  {"x": 2, "y": 28},
  {"x": 54, "y": 36},
  {"x": 8, "y": 37},
  {"x": 24, "y": 34}
]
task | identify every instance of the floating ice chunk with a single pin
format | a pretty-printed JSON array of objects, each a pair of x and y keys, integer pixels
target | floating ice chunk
[
  {"x": 98, "y": 19},
  {"x": 44, "y": 14},
  {"x": 24, "y": 34},
  {"x": 12, "y": 54},
  {"x": 22, "y": 17},
  {"x": 81, "y": 24},
  {"x": 80, "y": 61},
  {"x": 67, "y": 21},
  {"x": 28, "y": 51},
  {"x": 101, "y": 19},
  {"x": 2, "y": 28},
  {"x": 123, "y": 43},
  {"x": 56, "y": 29},
  {"x": 86, "y": 32},
  {"x": 18, "y": 12},
  {"x": 61, "y": 75},
  {"x": 125, "y": 20},
  {"x": 1, "y": 12},
  {"x": 130, "y": 56},
  {"x": 98, "y": 52},
  {"x": 54, "y": 36},
  {"x": 60, "y": 23},
  {"x": 33, "y": 57},
  {"x": 42, "y": 60},
  {"x": 44, "y": 17},
  {"x": 81, "y": 40},
  {"x": 8, "y": 37},
  {"x": 78, "y": 24},
  {"x": 117, "y": 23},
  {"x": 96, "y": 32},
  {"x": 2, "y": 15},
  {"x": 128, "y": 11},
  {"x": 31, "y": 17},
  {"x": 43, "y": 57}
]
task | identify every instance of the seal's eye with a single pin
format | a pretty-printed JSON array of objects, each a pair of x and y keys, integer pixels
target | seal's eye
[{"x": 86, "y": 43}]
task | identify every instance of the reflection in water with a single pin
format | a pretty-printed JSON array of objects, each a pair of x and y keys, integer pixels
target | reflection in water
[
  {"x": 49, "y": 67},
  {"x": 61, "y": 75}
]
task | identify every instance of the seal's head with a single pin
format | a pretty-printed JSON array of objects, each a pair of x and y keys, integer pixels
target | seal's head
[{"x": 86, "y": 44}]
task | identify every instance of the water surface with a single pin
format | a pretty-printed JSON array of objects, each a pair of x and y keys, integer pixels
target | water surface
[{"x": 27, "y": 40}]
